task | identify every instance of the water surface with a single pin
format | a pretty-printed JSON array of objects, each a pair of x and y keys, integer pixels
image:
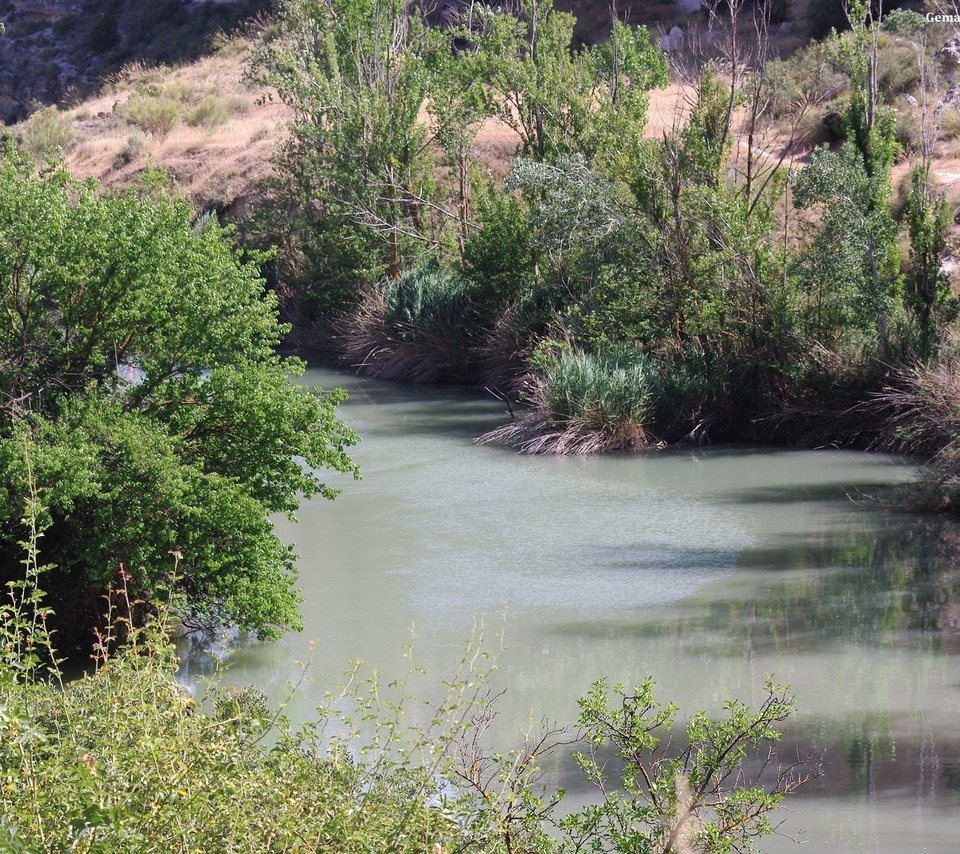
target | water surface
[{"x": 706, "y": 569}]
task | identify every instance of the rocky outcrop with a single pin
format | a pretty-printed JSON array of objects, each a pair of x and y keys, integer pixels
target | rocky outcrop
[{"x": 949, "y": 57}]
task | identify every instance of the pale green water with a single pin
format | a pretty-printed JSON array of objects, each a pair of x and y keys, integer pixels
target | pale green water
[{"x": 706, "y": 570}]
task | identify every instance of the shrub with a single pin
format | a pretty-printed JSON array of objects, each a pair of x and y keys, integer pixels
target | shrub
[
  {"x": 908, "y": 132},
  {"x": 154, "y": 114},
  {"x": 179, "y": 90},
  {"x": 809, "y": 76},
  {"x": 498, "y": 257},
  {"x": 209, "y": 112},
  {"x": 134, "y": 149},
  {"x": 426, "y": 296},
  {"x": 141, "y": 366},
  {"x": 419, "y": 328},
  {"x": 604, "y": 391},
  {"x": 898, "y": 72},
  {"x": 950, "y": 124},
  {"x": 46, "y": 131},
  {"x": 920, "y": 410},
  {"x": 819, "y": 125}
]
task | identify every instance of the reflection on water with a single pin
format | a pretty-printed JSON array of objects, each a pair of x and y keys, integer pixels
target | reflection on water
[{"x": 706, "y": 570}]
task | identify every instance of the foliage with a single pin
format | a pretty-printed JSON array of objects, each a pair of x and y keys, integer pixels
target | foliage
[
  {"x": 564, "y": 101},
  {"x": 605, "y": 391},
  {"x": 583, "y": 403},
  {"x": 417, "y": 328},
  {"x": 852, "y": 271},
  {"x": 756, "y": 296},
  {"x": 46, "y": 132},
  {"x": 427, "y": 295},
  {"x": 209, "y": 112},
  {"x": 498, "y": 257},
  {"x": 356, "y": 75},
  {"x": 928, "y": 292},
  {"x": 138, "y": 360},
  {"x": 696, "y": 798},
  {"x": 153, "y": 114},
  {"x": 123, "y": 759}
]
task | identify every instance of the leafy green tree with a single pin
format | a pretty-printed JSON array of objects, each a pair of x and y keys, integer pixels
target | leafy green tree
[
  {"x": 927, "y": 291},
  {"x": 144, "y": 400},
  {"x": 561, "y": 100},
  {"x": 851, "y": 273},
  {"x": 356, "y": 167}
]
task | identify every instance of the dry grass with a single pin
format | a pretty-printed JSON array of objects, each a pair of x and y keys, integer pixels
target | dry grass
[
  {"x": 533, "y": 433},
  {"x": 920, "y": 409},
  {"x": 372, "y": 342},
  {"x": 921, "y": 406},
  {"x": 215, "y": 164}
]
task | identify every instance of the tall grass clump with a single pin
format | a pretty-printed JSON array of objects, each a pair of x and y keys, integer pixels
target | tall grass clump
[
  {"x": 920, "y": 408},
  {"x": 584, "y": 403},
  {"x": 420, "y": 328}
]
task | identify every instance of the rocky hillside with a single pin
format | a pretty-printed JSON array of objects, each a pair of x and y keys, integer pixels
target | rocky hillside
[{"x": 55, "y": 51}]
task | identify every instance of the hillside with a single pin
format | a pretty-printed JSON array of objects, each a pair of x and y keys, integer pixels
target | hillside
[{"x": 56, "y": 51}]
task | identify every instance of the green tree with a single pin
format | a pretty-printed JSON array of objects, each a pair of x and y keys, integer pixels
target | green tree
[
  {"x": 138, "y": 366},
  {"x": 356, "y": 167},
  {"x": 853, "y": 273},
  {"x": 561, "y": 100},
  {"x": 927, "y": 289}
]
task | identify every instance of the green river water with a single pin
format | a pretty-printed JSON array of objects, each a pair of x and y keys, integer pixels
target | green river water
[{"x": 705, "y": 569}]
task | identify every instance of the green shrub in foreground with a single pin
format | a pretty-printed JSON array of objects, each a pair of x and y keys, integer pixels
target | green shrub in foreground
[{"x": 123, "y": 760}]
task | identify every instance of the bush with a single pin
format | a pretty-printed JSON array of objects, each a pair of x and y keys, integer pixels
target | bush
[
  {"x": 46, "y": 132},
  {"x": 810, "y": 76},
  {"x": 146, "y": 400},
  {"x": 498, "y": 257},
  {"x": 178, "y": 90},
  {"x": 950, "y": 124},
  {"x": 424, "y": 297},
  {"x": 419, "y": 329},
  {"x": 898, "y": 72},
  {"x": 135, "y": 148},
  {"x": 209, "y": 112},
  {"x": 819, "y": 125},
  {"x": 604, "y": 392},
  {"x": 154, "y": 114}
]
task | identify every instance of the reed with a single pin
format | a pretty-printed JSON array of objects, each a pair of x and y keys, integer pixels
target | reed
[
  {"x": 585, "y": 403},
  {"x": 418, "y": 329}
]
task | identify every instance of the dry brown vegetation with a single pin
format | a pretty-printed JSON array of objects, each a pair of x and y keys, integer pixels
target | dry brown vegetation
[{"x": 216, "y": 148}]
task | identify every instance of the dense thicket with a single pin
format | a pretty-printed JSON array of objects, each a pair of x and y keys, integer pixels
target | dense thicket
[
  {"x": 761, "y": 302},
  {"x": 144, "y": 405}
]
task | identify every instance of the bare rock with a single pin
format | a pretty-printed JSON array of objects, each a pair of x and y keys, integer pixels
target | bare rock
[{"x": 949, "y": 56}]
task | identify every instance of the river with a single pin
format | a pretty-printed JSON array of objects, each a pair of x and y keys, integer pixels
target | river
[{"x": 706, "y": 569}]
